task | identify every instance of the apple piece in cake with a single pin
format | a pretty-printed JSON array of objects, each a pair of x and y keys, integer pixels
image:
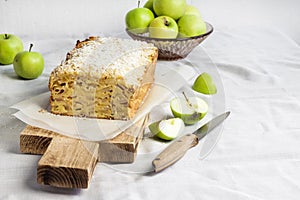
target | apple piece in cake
[{"x": 106, "y": 78}]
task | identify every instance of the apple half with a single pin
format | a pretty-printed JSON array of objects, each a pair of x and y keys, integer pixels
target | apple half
[
  {"x": 167, "y": 129},
  {"x": 190, "y": 110}
]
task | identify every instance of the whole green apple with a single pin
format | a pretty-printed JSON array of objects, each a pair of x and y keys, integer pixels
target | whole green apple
[
  {"x": 191, "y": 25},
  {"x": 171, "y": 8},
  {"x": 163, "y": 27},
  {"x": 149, "y": 5},
  {"x": 138, "y": 19},
  {"x": 28, "y": 64},
  {"x": 191, "y": 10},
  {"x": 10, "y": 45}
]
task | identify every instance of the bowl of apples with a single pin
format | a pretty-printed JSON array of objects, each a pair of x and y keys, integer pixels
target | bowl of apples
[{"x": 173, "y": 26}]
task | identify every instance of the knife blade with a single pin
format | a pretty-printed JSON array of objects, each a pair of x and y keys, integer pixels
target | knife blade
[{"x": 178, "y": 148}]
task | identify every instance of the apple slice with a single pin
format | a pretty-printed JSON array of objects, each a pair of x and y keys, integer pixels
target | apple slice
[
  {"x": 190, "y": 110},
  {"x": 167, "y": 129},
  {"x": 205, "y": 84}
]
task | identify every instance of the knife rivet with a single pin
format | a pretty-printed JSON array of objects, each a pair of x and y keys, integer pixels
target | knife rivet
[
  {"x": 189, "y": 134},
  {"x": 157, "y": 159}
]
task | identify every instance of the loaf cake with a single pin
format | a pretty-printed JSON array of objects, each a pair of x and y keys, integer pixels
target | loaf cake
[{"x": 107, "y": 78}]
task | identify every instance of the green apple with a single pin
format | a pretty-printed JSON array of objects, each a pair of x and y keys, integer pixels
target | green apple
[
  {"x": 171, "y": 8},
  {"x": 191, "y": 10},
  {"x": 204, "y": 84},
  {"x": 191, "y": 25},
  {"x": 149, "y": 5},
  {"x": 167, "y": 129},
  {"x": 138, "y": 19},
  {"x": 28, "y": 64},
  {"x": 163, "y": 27},
  {"x": 10, "y": 45},
  {"x": 190, "y": 110}
]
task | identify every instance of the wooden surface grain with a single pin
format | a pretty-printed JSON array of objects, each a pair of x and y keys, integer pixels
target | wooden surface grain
[{"x": 69, "y": 162}]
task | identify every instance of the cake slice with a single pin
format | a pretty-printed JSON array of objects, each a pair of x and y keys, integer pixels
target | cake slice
[{"x": 106, "y": 78}]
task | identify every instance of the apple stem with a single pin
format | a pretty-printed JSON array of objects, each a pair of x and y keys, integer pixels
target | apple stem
[
  {"x": 139, "y": 2},
  {"x": 31, "y": 45},
  {"x": 187, "y": 100},
  {"x": 5, "y": 36}
]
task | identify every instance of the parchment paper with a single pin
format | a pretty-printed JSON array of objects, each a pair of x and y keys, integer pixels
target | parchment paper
[{"x": 35, "y": 111}]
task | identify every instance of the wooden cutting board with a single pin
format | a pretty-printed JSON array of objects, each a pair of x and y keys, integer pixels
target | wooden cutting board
[{"x": 68, "y": 162}]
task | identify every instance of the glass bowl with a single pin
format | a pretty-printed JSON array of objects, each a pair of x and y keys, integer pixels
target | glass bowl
[{"x": 173, "y": 49}]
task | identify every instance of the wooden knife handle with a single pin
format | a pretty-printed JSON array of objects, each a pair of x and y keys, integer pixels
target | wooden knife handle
[{"x": 174, "y": 152}]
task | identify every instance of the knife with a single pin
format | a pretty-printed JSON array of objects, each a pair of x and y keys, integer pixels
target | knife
[{"x": 178, "y": 148}]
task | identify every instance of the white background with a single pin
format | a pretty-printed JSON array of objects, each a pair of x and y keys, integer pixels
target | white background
[
  {"x": 44, "y": 18},
  {"x": 255, "y": 47}
]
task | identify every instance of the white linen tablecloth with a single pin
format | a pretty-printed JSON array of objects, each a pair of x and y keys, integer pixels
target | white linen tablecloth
[{"x": 257, "y": 156}]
